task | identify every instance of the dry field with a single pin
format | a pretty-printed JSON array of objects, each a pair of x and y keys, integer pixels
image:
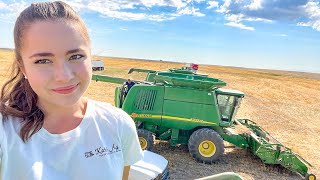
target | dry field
[{"x": 286, "y": 104}]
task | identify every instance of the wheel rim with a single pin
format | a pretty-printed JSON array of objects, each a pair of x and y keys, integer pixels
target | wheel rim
[
  {"x": 207, "y": 148},
  {"x": 143, "y": 143},
  {"x": 312, "y": 177}
]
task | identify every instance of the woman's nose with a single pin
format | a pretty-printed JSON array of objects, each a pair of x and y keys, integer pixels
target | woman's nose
[{"x": 63, "y": 72}]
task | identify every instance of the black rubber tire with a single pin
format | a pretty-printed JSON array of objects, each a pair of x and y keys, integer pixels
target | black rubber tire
[
  {"x": 147, "y": 137},
  {"x": 310, "y": 177},
  {"x": 201, "y": 135}
]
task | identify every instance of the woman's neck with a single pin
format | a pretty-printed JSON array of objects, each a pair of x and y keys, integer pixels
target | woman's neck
[{"x": 60, "y": 119}]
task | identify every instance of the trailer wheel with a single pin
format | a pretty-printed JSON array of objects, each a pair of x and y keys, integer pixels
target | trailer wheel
[
  {"x": 310, "y": 177},
  {"x": 146, "y": 139},
  {"x": 206, "y": 145}
]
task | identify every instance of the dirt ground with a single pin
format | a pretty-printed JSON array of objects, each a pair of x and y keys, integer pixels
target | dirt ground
[{"x": 286, "y": 104}]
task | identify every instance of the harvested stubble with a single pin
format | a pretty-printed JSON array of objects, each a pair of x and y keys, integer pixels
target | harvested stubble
[{"x": 286, "y": 104}]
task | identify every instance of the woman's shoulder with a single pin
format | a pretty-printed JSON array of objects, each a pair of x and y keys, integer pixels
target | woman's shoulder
[
  {"x": 8, "y": 123},
  {"x": 1, "y": 128},
  {"x": 103, "y": 109}
]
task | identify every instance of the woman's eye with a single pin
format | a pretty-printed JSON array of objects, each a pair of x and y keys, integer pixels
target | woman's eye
[
  {"x": 76, "y": 57},
  {"x": 42, "y": 61}
]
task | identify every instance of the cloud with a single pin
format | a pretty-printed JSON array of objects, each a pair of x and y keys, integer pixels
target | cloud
[
  {"x": 124, "y": 29},
  {"x": 190, "y": 11},
  {"x": 242, "y": 17},
  {"x": 139, "y": 9},
  {"x": 239, "y": 25},
  {"x": 300, "y": 12},
  {"x": 2, "y": 5},
  {"x": 150, "y": 3},
  {"x": 303, "y": 24},
  {"x": 212, "y": 4},
  {"x": 236, "y": 13},
  {"x": 312, "y": 9},
  {"x": 123, "y": 15},
  {"x": 265, "y": 9},
  {"x": 9, "y": 12},
  {"x": 281, "y": 35},
  {"x": 255, "y": 5},
  {"x": 199, "y": 1},
  {"x": 152, "y": 10}
]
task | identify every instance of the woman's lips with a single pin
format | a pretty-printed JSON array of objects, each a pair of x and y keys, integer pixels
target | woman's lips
[{"x": 66, "y": 89}]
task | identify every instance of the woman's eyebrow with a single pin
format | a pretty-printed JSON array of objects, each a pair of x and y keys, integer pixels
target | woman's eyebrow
[
  {"x": 46, "y": 54},
  {"x": 73, "y": 51},
  {"x": 41, "y": 55}
]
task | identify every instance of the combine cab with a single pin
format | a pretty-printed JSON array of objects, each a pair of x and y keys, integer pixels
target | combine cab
[{"x": 183, "y": 107}]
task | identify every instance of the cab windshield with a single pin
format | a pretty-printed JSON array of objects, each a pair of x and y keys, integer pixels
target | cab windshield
[{"x": 228, "y": 106}]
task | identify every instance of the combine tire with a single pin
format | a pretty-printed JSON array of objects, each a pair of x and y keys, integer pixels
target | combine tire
[
  {"x": 206, "y": 145},
  {"x": 145, "y": 139},
  {"x": 310, "y": 177}
]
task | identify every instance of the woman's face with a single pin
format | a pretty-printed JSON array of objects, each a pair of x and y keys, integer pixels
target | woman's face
[{"x": 56, "y": 61}]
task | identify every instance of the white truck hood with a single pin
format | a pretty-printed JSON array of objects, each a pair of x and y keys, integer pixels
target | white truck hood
[{"x": 149, "y": 167}]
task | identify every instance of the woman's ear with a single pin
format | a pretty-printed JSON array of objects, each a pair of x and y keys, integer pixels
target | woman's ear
[
  {"x": 24, "y": 74},
  {"x": 21, "y": 67}
]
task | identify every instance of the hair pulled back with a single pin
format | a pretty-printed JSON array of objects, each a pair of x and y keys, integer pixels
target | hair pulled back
[{"x": 17, "y": 97}]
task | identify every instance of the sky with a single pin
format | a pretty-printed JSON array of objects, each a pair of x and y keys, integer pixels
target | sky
[{"x": 267, "y": 34}]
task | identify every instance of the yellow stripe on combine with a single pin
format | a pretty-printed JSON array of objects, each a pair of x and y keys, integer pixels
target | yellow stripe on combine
[
  {"x": 187, "y": 119},
  {"x": 133, "y": 115}
]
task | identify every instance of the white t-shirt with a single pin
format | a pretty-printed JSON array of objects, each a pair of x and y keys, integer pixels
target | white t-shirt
[{"x": 99, "y": 148}]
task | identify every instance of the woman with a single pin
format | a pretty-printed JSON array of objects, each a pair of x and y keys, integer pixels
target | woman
[{"x": 48, "y": 130}]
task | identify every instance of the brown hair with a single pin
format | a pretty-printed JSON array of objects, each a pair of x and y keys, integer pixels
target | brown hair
[{"x": 17, "y": 97}]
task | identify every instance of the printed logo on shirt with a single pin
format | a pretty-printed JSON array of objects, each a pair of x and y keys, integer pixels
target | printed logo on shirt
[{"x": 102, "y": 151}]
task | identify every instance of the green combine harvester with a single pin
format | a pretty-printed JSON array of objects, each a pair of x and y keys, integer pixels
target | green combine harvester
[{"x": 183, "y": 107}]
